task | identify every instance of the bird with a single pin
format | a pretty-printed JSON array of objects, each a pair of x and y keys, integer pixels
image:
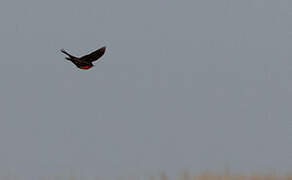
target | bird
[{"x": 85, "y": 62}]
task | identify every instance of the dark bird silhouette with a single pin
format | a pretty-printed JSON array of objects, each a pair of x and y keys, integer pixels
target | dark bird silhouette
[{"x": 85, "y": 62}]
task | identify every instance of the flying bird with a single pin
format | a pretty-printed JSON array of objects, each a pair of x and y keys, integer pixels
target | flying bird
[{"x": 85, "y": 62}]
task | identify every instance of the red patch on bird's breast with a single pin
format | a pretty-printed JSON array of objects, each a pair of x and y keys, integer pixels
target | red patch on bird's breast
[{"x": 85, "y": 67}]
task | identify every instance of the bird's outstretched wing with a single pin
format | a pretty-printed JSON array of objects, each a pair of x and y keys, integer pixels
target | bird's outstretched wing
[
  {"x": 94, "y": 55},
  {"x": 65, "y": 52}
]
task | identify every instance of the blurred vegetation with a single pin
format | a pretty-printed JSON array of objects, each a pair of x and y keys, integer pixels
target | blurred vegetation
[{"x": 185, "y": 175}]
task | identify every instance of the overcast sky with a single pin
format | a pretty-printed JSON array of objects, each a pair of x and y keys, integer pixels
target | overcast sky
[{"x": 184, "y": 84}]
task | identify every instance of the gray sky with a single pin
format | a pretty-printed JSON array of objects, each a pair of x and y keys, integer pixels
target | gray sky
[{"x": 189, "y": 84}]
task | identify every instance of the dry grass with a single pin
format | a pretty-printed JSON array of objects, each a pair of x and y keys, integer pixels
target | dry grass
[
  {"x": 183, "y": 176},
  {"x": 210, "y": 176},
  {"x": 224, "y": 176},
  {"x": 230, "y": 176}
]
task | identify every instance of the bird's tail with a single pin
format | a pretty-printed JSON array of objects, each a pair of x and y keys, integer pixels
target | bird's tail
[{"x": 70, "y": 56}]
